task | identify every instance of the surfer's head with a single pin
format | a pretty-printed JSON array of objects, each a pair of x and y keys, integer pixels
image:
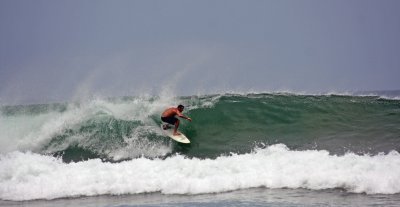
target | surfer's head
[{"x": 180, "y": 108}]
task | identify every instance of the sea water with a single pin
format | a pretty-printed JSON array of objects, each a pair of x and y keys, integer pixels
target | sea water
[{"x": 274, "y": 149}]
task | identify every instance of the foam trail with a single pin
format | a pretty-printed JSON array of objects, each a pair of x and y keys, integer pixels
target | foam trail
[
  {"x": 33, "y": 176},
  {"x": 138, "y": 145}
]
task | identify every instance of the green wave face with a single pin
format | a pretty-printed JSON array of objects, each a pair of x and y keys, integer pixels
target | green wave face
[
  {"x": 127, "y": 128},
  {"x": 335, "y": 123}
]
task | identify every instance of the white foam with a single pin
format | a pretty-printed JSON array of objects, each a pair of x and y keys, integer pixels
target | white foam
[
  {"x": 26, "y": 176},
  {"x": 25, "y": 132},
  {"x": 378, "y": 94},
  {"x": 137, "y": 144}
]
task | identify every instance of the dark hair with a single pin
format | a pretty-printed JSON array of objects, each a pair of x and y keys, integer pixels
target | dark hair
[{"x": 181, "y": 106}]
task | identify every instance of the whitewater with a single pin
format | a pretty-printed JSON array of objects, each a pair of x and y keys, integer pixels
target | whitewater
[
  {"x": 33, "y": 176},
  {"x": 239, "y": 141}
]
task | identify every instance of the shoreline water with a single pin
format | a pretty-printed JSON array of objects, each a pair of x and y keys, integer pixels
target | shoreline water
[{"x": 246, "y": 197}]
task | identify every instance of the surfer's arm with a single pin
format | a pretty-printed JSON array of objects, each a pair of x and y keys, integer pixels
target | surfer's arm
[{"x": 183, "y": 116}]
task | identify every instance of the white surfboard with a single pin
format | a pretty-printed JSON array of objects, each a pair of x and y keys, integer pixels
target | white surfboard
[{"x": 170, "y": 132}]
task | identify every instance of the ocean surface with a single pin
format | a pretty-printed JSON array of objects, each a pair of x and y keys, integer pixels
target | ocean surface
[{"x": 251, "y": 149}]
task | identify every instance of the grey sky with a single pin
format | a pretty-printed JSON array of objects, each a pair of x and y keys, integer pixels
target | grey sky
[{"x": 60, "y": 50}]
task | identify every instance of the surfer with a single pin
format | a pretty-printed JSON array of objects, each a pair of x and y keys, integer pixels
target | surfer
[{"x": 169, "y": 116}]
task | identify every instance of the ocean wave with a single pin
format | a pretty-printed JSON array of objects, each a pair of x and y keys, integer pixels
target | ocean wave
[
  {"x": 387, "y": 95},
  {"x": 33, "y": 176},
  {"x": 128, "y": 127}
]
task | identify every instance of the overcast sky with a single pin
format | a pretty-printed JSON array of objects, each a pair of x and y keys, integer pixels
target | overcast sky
[{"x": 58, "y": 50}]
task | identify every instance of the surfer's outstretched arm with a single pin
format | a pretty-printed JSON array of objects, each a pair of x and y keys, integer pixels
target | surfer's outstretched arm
[{"x": 183, "y": 116}]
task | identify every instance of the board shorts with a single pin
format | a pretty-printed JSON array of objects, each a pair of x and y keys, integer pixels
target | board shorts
[{"x": 170, "y": 120}]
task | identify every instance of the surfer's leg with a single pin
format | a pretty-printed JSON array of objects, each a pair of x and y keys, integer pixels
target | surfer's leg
[
  {"x": 176, "y": 127},
  {"x": 169, "y": 120}
]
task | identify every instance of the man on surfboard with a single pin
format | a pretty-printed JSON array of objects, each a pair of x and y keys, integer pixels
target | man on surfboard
[{"x": 169, "y": 116}]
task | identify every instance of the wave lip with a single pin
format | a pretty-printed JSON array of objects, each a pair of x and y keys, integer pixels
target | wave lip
[{"x": 32, "y": 176}]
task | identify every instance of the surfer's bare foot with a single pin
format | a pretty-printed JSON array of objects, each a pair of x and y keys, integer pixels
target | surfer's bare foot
[{"x": 177, "y": 133}]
